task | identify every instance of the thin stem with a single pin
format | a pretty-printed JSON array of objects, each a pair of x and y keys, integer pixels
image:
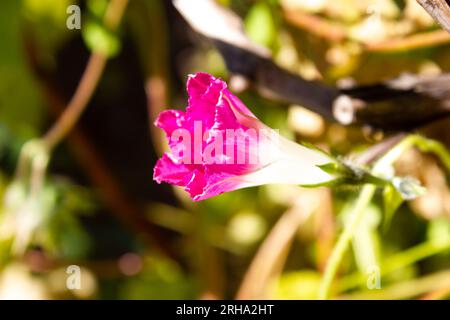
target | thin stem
[
  {"x": 358, "y": 211},
  {"x": 32, "y": 164},
  {"x": 341, "y": 246},
  {"x": 88, "y": 82},
  {"x": 34, "y": 158},
  {"x": 364, "y": 199},
  {"x": 414, "y": 254},
  {"x": 79, "y": 101},
  {"x": 399, "y": 261},
  {"x": 110, "y": 190}
]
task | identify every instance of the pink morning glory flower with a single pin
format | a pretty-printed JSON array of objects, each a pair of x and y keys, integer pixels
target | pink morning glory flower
[{"x": 218, "y": 145}]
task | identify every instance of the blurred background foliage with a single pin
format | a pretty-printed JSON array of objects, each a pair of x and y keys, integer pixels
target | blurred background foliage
[{"x": 134, "y": 239}]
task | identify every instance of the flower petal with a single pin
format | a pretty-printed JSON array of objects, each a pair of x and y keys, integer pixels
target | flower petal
[
  {"x": 238, "y": 104},
  {"x": 170, "y": 120},
  {"x": 204, "y": 93},
  {"x": 218, "y": 184},
  {"x": 169, "y": 171},
  {"x": 196, "y": 184},
  {"x": 234, "y": 153}
]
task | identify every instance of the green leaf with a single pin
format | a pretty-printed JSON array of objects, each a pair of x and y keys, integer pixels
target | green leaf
[
  {"x": 331, "y": 168},
  {"x": 20, "y": 102},
  {"x": 439, "y": 231},
  {"x": 260, "y": 25},
  {"x": 365, "y": 241},
  {"x": 100, "y": 39},
  {"x": 302, "y": 284},
  {"x": 97, "y": 7},
  {"x": 392, "y": 200},
  {"x": 159, "y": 279}
]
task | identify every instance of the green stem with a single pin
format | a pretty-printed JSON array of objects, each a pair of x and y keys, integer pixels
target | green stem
[
  {"x": 414, "y": 254},
  {"x": 358, "y": 211},
  {"x": 398, "y": 261},
  {"x": 424, "y": 144},
  {"x": 341, "y": 246}
]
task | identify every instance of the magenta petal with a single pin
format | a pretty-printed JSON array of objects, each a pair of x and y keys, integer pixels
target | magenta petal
[
  {"x": 204, "y": 86},
  {"x": 170, "y": 120},
  {"x": 171, "y": 172},
  {"x": 196, "y": 185},
  {"x": 218, "y": 184},
  {"x": 224, "y": 117},
  {"x": 218, "y": 110},
  {"x": 238, "y": 104},
  {"x": 204, "y": 94}
]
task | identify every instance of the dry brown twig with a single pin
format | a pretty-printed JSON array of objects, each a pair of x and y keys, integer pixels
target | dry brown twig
[
  {"x": 415, "y": 41},
  {"x": 322, "y": 28},
  {"x": 439, "y": 10},
  {"x": 316, "y": 25}
]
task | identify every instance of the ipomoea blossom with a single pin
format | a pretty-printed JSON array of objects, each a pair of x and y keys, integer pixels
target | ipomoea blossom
[{"x": 218, "y": 145}]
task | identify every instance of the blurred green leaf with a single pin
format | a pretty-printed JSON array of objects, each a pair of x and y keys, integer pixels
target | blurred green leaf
[
  {"x": 260, "y": 25},
  {"x": 20, "y": 102},
  {"x": 97, "y": 7},
  {"x": 366, "y": 240},
  {"x": 298, "y": 285},
  {"x": 100, "y": 39},
  {"x": 160, "y": 279},
  {"x": 438, "y": 231},
  {"x": 392, "y": 200}
]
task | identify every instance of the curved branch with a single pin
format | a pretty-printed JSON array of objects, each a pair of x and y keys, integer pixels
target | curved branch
[
  {"x": 88, "y": 82},
  {"x": 439, "y": 10}
]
